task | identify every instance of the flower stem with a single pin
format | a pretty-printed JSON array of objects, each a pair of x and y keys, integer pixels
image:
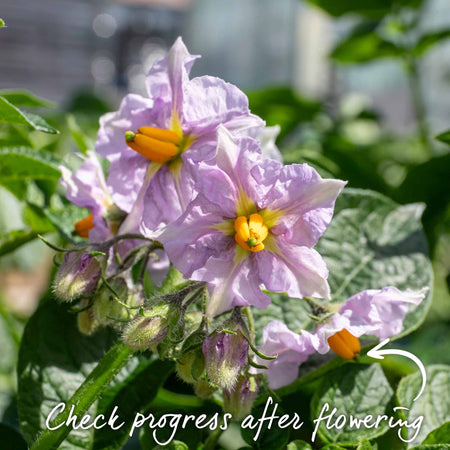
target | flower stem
[
  {"x": 214, "y": 436},
  {"x": 251, "y": 322},
  {"x": 419, "y": 104},
  {"x": 86, "y": 394}
]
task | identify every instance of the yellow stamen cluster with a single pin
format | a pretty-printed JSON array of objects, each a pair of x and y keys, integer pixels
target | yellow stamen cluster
[
  {"x": 83, "y": 226},
  {"x": 345, "y": 344},
  {"x": 155, "y": 144},
  {"x": 251, "y": 232}
]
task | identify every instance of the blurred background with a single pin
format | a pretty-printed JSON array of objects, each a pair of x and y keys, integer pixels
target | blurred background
[{"x": 360, "y": 89}]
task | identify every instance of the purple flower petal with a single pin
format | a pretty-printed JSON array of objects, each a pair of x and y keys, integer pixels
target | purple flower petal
[
  {"x": 292, "y": 349},
  {"x": 303, "y": 199},
  {"x": 86, "y": 187},
  {"x": 166, "y": 82},
  {"x": 299, "y": 271},
  {"x": 376, "y": 312}
]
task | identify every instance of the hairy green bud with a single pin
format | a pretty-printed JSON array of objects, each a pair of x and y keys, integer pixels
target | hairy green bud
[
  {"x": 191, "y": 366},
  {"x": 203, "y": 389},
  {"x": 87, "y": 323},
  {"x": 144, "y": 333},
  {"x": 112, "y": 308}
]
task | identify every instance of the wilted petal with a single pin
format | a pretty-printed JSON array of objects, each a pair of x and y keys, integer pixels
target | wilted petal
[
  {"x": 292, "y": 349},
  {"x": 374, "y": 312}
]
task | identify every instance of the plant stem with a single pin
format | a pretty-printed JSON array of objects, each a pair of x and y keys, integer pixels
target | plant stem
[
  {"x": 251, "y": 322},
  {"x": 214, "y": 436},
  {"x": 419, "y": 103},
  {"x": 86, "y": 394}
]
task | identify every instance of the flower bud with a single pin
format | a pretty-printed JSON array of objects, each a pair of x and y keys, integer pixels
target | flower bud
[
  {"x": 238, "y": 401},
  {"x": 145, "y": 333},
  {"x": 87, "y": 323},
  {"x": 225, "y": 356},
  {"x": 77, "y": 276},
  {"x": 108, "y": 309},
  {"x": 191, "y": 366},
  {"x": 203, "y": 389}
]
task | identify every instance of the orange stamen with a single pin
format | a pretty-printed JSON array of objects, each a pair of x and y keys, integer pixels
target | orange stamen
[
  {"x": 345, "y": 344},
  {"x": 83, "y": 226},
  {"x": 154, "y": 143}
]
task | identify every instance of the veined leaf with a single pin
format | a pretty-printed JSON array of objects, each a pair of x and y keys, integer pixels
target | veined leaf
[
  {"x": 10, "y": 114},
  {"x": 356, "y": 390},
  {"x": 21, "y": 97},
  {"x": 54, "y": 360},
  {"x": 14, "y": 239},
  {"x": 22, "y": 163},
  {"x": 433, "y": 404}
]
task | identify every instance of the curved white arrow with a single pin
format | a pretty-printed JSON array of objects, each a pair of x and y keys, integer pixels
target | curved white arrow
[{"x": 378, "y": 353}]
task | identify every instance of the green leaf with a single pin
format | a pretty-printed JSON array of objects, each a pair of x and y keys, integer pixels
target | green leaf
[
  {"x": 14, "y": 239},
  {"x": 281, "y": 106},
  {"x": 189, "y": 435},
  {"x": 370, "y": 8},
  {"x": 428, "y": 40},
  {"x": 298, "y": 445},
  {"x": 374, "y": 242},
  {"x": 174, "y": 445},
  {"x": 332, "y": 447},
  {"x": 134, "y": 394},
  {"x": 364, "y": 444},
  {"x": 354, "y": 389},
  {"x": 34, "y": 217},
  {"x": 433, "y": 404},
  {"x": 444, "y": 137},
  {"x": 362, "y": 46},
  {"x": 83, "y": 142},
  {"x": 292, "y": 311},
  {"x": 64, "y": 217},
  {"x": 274, "y": 439},
  {"x": 440, "y": 435},
  {"x": 432, "y": 447},
  {"x": 10, "y": 114},
  {"x": 21, "y": 97},
  {"x": 2, "y": 23},
  {"x": 22, "y": 164},
  {"x": 54, "y": 360},
  {"x": 424, "y": 183},
  {"x": 11, "y": 438}
]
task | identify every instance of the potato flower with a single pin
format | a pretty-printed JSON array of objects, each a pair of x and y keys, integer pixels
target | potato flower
[{"x": 254, "y": 222}]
